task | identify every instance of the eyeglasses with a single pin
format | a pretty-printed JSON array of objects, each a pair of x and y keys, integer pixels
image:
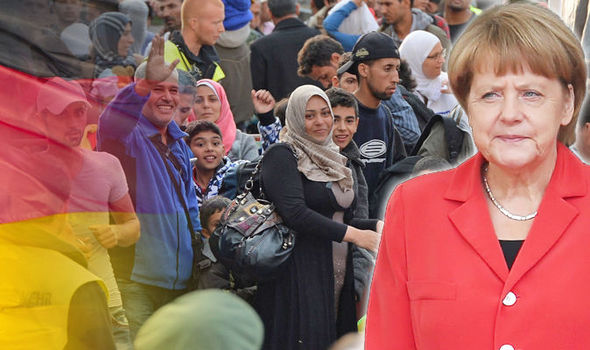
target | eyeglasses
[{"x": 437, "y": 56}]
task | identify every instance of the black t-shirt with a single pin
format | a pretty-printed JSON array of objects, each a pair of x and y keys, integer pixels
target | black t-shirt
[
  {"x": 380, "y": 144},
  {"x": 456, "y": 29},
  {"x": 510, "y": 250}
]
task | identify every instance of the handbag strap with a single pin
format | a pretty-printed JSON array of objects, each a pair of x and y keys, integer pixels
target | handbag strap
[
  {"x": 166, "y": 155},
  {"x": 250, "y": 182}
]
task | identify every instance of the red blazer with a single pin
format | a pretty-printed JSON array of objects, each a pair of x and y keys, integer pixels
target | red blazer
[{"x": 441, "y": 280}]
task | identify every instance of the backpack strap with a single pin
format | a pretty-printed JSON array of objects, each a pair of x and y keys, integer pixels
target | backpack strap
[
  {"x": 424, "y": 135},
  {"x": 453, "y": 134}
]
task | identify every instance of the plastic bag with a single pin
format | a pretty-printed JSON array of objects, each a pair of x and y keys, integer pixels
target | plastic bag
[{"x": 360, "y": 21}]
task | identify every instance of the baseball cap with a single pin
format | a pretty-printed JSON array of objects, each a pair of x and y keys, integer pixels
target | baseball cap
[
  {"x": 56, "y": 94},
  {"x": 370, "y": 46}
]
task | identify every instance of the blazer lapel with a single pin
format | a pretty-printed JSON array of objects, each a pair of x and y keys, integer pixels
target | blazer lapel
[
  {"x": 472, "y": 218},
  {"x": 554, "y": 215},
  {"x": 473, "y": 222}
]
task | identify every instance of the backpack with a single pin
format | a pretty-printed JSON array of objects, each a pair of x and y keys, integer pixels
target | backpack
[
  {"x": 402, "y": 170},
  {"x": 453, "y": 135},
  {"x": 423, "y": 114}
]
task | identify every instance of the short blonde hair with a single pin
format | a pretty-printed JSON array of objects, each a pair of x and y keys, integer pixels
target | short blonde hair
[
  {"x": 510, "y": 38},
  {"x": 192, "y": 8}
]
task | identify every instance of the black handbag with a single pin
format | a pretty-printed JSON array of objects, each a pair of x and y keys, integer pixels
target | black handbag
[{"x": 251, "y": 239}]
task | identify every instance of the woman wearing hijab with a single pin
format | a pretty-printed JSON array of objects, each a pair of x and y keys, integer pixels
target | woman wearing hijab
[
  {"x": 426, "y": 57},
  {"x": 211, "y": 104},
  {"x": 111, "y": 40},
  {"x": 137, "y": 11},
  {"x": 311, "y": 303},
  {"x": 114, "y": 65}
]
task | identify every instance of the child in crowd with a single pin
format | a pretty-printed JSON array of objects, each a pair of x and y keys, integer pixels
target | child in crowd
[
  {"x": 211, "y": 272},
  {"x": 210, "y": 164},
  {"x": 346, "y": 121}
]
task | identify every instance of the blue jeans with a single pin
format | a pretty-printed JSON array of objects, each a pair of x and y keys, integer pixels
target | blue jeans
[
  {"x": 120, "y": 328},
  {"x": 140, "y": 301}
]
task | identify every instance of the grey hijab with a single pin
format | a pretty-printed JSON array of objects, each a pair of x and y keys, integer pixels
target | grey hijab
[
  {"x": 137, "y": 11},
  {"x": 317, "y": 161}
]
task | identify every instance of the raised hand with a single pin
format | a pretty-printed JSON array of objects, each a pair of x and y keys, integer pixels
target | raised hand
[
  {"x": 263, "y": 101},
  {"x": 157, "y": 70}
]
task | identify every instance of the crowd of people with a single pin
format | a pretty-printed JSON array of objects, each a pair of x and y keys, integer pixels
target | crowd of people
[{"x": 126, "y": 123}]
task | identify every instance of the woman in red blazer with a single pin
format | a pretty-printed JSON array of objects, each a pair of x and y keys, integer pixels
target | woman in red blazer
[{"x": 495, "y": 253}]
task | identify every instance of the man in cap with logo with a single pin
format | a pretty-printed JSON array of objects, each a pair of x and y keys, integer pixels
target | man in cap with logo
[
  {"x": 99, "y": 191},
  {"x": 50, "y": 300},
  {"x": 375, "y": 61}
]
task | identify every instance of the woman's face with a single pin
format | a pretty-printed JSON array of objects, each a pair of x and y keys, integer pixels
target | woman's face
[
  {"x": 125, "y": 41},
  {"x": 207, "y": 106},
  {"x": 318, "y": 119},
  {"x": 516, "y": 117},
  {"x": 432, "y": 65}
]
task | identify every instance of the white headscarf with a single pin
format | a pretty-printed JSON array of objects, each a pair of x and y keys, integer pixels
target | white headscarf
[
  {"x": 317, "y": 161},
  {"x": 414, "y": 50}
]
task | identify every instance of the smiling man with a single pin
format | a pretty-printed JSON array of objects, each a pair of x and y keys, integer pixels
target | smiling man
[
  {"x": 137, "y": 128},
  {"x": 375, "y": 61},
  {"x": 202, "y": 24}
]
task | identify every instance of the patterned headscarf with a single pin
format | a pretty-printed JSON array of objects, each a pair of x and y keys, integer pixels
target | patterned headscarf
[
  {"x": 105, "y": 32},
  {"x": 317, "y": 161},
  {"x": 225, "y": 122}
]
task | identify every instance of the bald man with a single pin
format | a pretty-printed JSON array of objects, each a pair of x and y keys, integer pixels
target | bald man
[{"x": 201, "y": 25}]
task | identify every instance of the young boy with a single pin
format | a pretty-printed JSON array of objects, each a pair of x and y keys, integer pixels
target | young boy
[
  {"x": 212, "y": 273},
  {"x": 346, "y": 121},
  {"x": 210, "y": 165}
]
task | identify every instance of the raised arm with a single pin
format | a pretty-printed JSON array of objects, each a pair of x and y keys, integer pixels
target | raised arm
[
  {"x": 122, "y": 114},
  {"x": 333, "y": 21},
  {"x": 269, "y": 126}
]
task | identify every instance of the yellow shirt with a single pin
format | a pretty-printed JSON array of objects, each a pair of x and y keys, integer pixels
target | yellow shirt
[{"x": 171, "y": 53}]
